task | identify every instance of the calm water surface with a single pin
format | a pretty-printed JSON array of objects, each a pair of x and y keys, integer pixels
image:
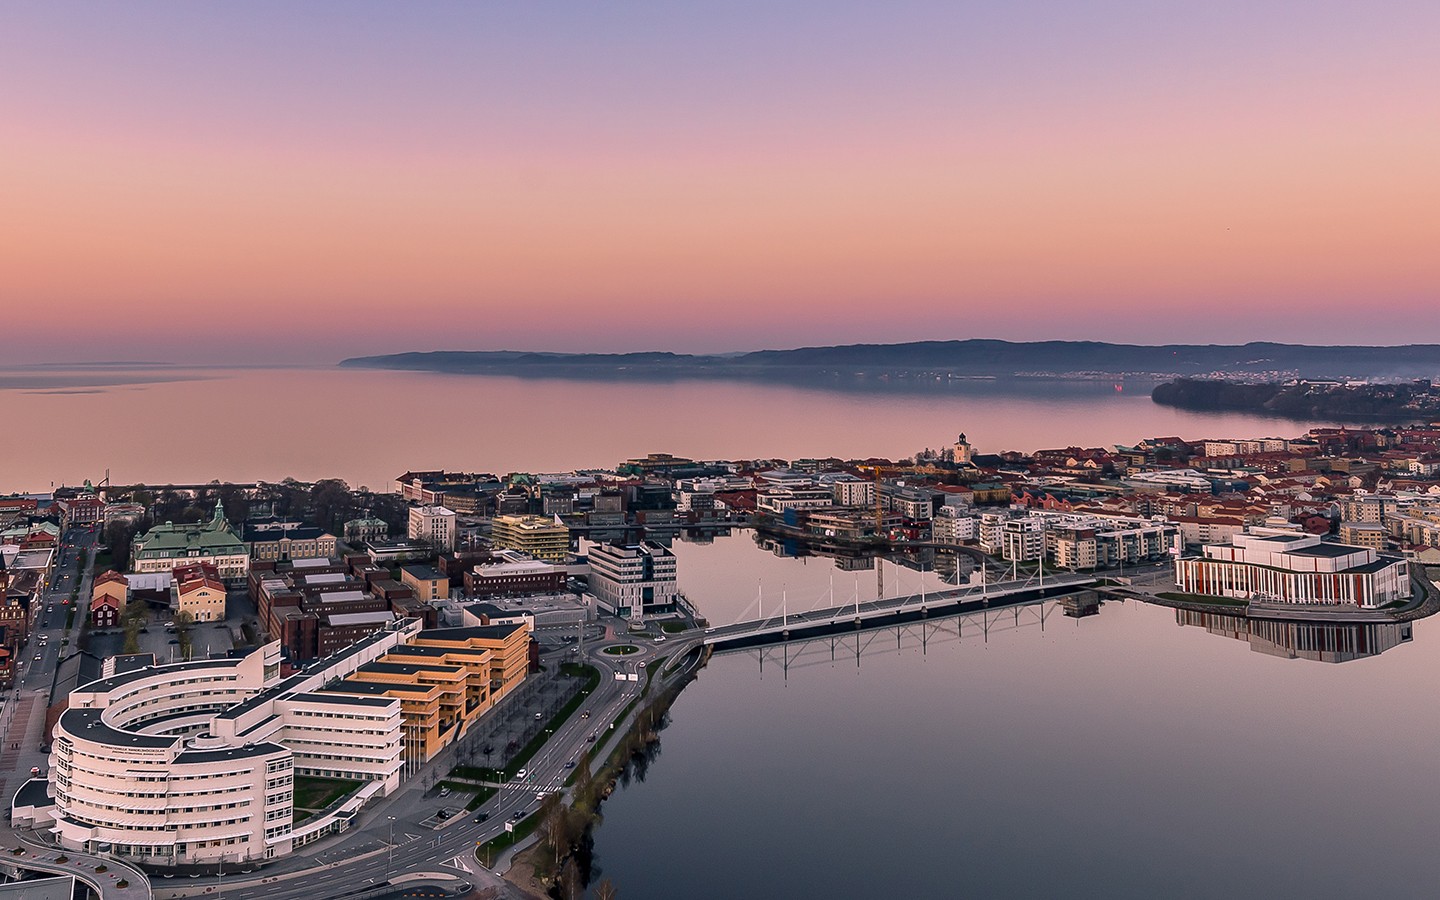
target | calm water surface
[
  {"x": 1120, "y": 755},
  {"x": 1115, "y": 756},
  {"x": 182, "y": 426}
]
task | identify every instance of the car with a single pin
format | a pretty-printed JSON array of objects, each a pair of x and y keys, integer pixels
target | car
[
  {"x": 443, "y": 814},
  {"x": 520, "y": 775},
  {"x": 538, "y": 717},
  {"x": 659, "y": 638},
  {"x": 480, "y": 817},
  {"x": 590, "y": 739},
  {"x": 570, "y": 764},
  {"x": 38, "y": 657},
  {"x": 585, "y": 714},
  {"x": 642, "y": 664},
  {"x": 541, "y": 795},
  {"x": 444, "y": 792}
]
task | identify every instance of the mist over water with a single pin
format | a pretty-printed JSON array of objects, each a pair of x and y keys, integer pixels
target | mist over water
[{"x": 365, "y": 426}]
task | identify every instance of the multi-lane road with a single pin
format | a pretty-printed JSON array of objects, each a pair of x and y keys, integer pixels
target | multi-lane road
[{"x": 395, "y": 837}]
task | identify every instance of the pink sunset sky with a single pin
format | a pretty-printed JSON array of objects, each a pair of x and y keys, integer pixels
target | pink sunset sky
[{"x": 300, "y": 182}]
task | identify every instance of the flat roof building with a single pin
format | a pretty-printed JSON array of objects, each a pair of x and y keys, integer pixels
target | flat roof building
[
  {"x": 536, "y": 536},
  {"x": 1290, "y": 567}
]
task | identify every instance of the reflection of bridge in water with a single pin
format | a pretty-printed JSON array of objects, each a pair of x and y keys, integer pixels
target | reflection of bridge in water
[{"x": 923, "y": 613}]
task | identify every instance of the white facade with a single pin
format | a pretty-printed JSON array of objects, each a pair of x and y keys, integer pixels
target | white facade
[
  {"x": 848, "y": 490},
  {"x": 195, "y": 762},
  {"x": 1294, "y": 568},
  {"x": 779, "y": 501},
  {"x": 952, "y": 527},
  {"x": 435, "y": 525},
  {"x": 630, "y": 580},
  {"x": 1023, "y": 540}
]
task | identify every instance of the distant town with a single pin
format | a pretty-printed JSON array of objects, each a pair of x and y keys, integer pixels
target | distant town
[{"x": 248, "y": 684}]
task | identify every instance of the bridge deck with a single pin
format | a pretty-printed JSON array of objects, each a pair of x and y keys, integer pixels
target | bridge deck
[{"x": 891, "y": 609}]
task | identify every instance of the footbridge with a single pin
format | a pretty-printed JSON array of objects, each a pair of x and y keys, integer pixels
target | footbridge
[{"x": 785, "y": 625}]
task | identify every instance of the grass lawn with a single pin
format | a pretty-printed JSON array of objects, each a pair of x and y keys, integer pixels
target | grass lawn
[
  {"x": 317, "y": 793},
  {"x": 673, "y": 627},
  {"x": 1201, "y": 598}
]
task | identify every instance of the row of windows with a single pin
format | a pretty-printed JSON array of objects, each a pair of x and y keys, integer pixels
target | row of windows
[
  {"x": 102, "y": 823},
  {"x": 332, "y": 715}
]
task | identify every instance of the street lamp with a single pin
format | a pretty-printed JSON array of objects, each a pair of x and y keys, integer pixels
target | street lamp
[{"x": 390, "y": 851}]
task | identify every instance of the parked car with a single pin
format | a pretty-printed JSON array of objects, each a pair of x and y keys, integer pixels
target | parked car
[{"x": 444, "y": 791}]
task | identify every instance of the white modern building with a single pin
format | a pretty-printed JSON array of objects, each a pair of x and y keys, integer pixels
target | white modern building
[
  {"x": 1294, "y": 568},
  {"x": 435, "y": 525},
  {"x": 851, "y": 490},
  {"x": 197, "y": 762},
  {"x": 778, "y": 501},
  {"x": 952, "y": 525},
  {"x": 633, "y": 580}
]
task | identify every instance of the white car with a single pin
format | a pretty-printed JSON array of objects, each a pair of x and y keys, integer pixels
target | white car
[{"x": 520, "y": 775}]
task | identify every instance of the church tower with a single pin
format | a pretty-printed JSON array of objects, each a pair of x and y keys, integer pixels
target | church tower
[{"x": 963, "y": 451}]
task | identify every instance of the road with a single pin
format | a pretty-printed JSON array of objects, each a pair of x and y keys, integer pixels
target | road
[
  {"x": 37, "y": 662},
  {"x": 366, "y": 857}
]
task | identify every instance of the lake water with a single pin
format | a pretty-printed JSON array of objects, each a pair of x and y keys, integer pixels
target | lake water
[
  {"x": 1119, "y": 755},
  {"x": 183, "y": 426}
]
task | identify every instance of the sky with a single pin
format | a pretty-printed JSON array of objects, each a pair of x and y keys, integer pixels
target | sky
[{"x": 304, "y": 181}]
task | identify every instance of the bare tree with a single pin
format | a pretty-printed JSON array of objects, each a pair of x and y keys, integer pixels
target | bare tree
[{"x": 556, "y": 825}]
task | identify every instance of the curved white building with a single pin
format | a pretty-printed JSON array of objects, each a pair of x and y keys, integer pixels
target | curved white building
[{"x": 196, "y": 762}]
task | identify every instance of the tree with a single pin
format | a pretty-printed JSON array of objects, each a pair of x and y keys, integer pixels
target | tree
[
  {"x": 183, "y": 621},
  {"x": 118, "y": 535},
  {"x": 605, "y": 890},
  {"x": 556, "y": 824},
  {"x": 583, "y": 775}
]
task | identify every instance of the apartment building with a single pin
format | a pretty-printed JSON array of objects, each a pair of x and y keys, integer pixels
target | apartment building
[{"x": 433, "y": 525}]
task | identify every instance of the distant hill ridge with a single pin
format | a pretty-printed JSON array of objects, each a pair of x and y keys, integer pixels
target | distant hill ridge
[{"x": 959, "y": 357}]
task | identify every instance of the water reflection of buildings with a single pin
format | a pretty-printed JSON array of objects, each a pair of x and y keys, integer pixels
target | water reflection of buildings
[
  {"x": 949, "y": 567},
  {"x": 1332, "y": 642}
]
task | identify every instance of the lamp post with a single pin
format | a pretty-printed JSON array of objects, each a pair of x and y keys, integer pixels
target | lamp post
[{"x": 390, "y": 850}]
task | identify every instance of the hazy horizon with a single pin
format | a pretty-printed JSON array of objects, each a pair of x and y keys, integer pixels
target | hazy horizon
[{"x": 280, "y": 182}]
